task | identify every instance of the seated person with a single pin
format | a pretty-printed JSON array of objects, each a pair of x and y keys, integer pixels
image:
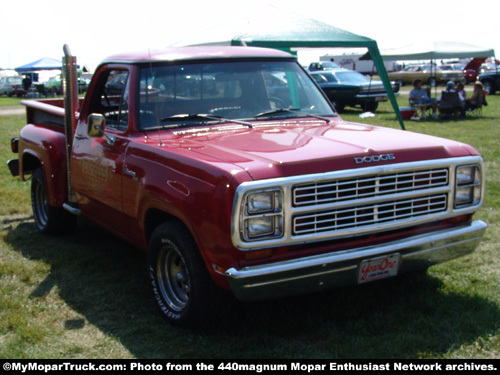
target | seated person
[
  {"x": 451, "y": 107},
  {"x": 419, "y": 96},
  {"x": 461, "y": 91},
  {"x": 477, "y": 98}
]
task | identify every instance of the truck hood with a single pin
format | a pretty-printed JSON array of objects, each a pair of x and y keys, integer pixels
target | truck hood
[{"x": 288, "y": 148}]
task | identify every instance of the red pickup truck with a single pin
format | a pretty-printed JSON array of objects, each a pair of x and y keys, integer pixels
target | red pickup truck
[{"x": 231, "y": 169}]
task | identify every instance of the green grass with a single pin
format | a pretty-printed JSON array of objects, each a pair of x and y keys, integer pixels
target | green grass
[
  {"x": 85, "y": 295},
  {"x": 9, "y": 102}
]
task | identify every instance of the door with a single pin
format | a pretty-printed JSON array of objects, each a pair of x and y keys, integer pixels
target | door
[{"x": 98, "y": 162}]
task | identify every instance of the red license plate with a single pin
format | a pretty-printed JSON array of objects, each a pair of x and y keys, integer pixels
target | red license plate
[{"x": 378, "y": 268}]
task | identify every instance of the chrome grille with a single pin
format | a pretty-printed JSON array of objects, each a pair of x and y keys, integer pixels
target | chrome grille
[
  {"x": 370, "y": 214},
  {"x": 349, "y": 203},
  {"x": 370, "y": 186},
  {"x": 355, "y": 202}
]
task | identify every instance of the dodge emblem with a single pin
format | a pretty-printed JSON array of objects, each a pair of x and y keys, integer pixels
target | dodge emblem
[{"x": 374, "y": 158}]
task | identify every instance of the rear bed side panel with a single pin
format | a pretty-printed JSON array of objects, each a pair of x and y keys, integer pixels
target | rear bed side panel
[{"x": 44, "y": 146}]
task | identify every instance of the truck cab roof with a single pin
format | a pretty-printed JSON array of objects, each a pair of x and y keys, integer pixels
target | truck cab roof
[{"x": 196, "y": 53}]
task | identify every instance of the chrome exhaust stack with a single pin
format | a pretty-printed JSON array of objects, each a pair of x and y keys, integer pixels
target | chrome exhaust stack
[{"x": 70, "y": 81}]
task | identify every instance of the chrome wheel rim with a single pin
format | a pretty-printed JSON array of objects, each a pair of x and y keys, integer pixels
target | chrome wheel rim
[{"x": 173, "y": 278}]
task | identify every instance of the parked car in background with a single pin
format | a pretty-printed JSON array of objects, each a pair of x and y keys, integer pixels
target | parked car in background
[
  {"x": 349, "y": 88},
  {"x": 487, "y": 66},
  {"x": 12, "y": 86},
  {"x": 323, "y": 65},
  {"x": 452, "y": 66},
  {"x": 54, "y": 85},
  {"x": 431, "y": 75},
  {"x": 490, "y": 80},
  {"x": 472, "y": 69}
]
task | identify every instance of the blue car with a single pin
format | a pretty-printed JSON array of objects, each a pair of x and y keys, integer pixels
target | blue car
[{"x": 346, "y": 87}]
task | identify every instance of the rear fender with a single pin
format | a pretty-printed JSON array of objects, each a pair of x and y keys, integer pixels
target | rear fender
[{"x": 44, "y": 149}]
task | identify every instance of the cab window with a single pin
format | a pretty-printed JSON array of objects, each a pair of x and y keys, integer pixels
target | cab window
[{"x": 112, "y": 99}]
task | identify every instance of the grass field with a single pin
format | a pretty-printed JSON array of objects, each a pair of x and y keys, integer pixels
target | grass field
[{"x": 85, "y": 295}]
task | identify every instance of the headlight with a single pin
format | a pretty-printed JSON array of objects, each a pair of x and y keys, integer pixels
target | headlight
[
  {"x": 260, "y": 202},
  {"x": 269, "y": 226},
  {"x": 467, "y": 186},
  {"x": 262, "y": 216}
]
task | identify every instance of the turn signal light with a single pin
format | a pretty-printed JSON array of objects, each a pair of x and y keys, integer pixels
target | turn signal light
[
  {"x": 14, "y": 145},
  {"x": 258, "y": 254}
]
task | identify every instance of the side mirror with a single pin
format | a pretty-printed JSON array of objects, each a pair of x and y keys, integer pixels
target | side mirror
[
  {"x": 95, "y": 128},
  {"x": 95, "y": 125}
]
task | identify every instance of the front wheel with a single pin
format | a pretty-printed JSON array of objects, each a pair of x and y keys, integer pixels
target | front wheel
[
  {"x": 182, "y": 287},
  {"x": 370, "y": 106},
  {"x": 48, "y": 219}
]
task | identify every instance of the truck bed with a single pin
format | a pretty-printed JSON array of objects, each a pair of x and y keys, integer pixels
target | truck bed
[{"x": 46, "y": 111}]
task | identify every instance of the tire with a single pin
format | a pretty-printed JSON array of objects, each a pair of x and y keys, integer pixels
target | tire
[
  {"x": 48, "y": 219},
  {"x": 370, "y": 106},
  {"x": 339, "y": 106},
  {"x": 181, "y": 284}
]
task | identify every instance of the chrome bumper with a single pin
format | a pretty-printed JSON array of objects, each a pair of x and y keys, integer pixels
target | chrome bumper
[{"x": 341, "y": 268}]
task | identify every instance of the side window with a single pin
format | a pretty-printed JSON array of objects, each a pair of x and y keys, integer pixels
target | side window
[{"x": 112, "y": 99}]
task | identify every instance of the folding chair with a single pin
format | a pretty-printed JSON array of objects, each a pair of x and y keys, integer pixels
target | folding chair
[
  {"x": 477, "y": 110},
  {"x": 450, "y": 103},
  {"x": 421, "y": 110}
]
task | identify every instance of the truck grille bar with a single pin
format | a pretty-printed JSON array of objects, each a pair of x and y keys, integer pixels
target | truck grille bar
[
  {"x": 342, "y": 190},
  {"x": 329, "y": 192},
  {"x": 358, "y": 216}
]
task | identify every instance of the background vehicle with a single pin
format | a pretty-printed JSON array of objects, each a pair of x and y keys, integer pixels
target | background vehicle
[
  {"x": 228, "y": 187},
  {"x": 472, "y": 69},
  {"x": 322, "y": 65},
  {"x": 490, "y": 80},
  {"x": 430, "y": 75},
  {"x": 11, "y": 86},
  {"x": 54, "y": 85},
  {"x": 349, "y": 88}
]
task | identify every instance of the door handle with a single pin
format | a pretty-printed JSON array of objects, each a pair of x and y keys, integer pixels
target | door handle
[{"x": 130, "y": 173}]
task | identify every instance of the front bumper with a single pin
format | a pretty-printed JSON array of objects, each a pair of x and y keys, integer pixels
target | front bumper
[{"x": 342, "y": 268}]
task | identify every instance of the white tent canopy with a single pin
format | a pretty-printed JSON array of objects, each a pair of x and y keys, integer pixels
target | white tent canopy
[{"x": 436, "y": 50}]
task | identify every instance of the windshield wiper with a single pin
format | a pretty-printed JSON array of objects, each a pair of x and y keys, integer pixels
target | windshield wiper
[
  {"x": 197, "y": 116},
  {"x": 290, "y": 110}
]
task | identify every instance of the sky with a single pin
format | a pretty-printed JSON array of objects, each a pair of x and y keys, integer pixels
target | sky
[{"x": 95, "y": 29}]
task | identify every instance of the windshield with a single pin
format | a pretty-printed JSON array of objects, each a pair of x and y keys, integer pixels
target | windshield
[
  {"x": 229, "y": 90},
  {"x": 15, "y": 80},
  {"x": 351, "y": 77}
]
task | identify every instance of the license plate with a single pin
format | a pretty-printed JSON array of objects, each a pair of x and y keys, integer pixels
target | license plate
[
  {"x": 380, "y": 98},
  {"x": 378, "y": 268}
]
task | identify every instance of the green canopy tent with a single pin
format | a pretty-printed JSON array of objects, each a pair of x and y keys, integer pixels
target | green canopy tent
[{"x": 271, "y": 27}]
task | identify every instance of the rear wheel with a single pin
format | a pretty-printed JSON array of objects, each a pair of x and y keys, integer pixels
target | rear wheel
[
  {"x": 48, "y": 219},
  {"x": 182, "y": 287},
  {"x": 400, "y": 82}
]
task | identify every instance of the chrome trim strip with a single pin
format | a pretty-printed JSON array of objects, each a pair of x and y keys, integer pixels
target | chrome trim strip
[{"x": 317, "y": 272}]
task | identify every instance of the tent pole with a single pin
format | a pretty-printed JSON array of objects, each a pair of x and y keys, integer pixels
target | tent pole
[{"x": 379, "y": 63}]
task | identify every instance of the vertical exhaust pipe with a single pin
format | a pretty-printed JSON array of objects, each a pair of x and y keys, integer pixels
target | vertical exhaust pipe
[{"x": 70, "y": 108}]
